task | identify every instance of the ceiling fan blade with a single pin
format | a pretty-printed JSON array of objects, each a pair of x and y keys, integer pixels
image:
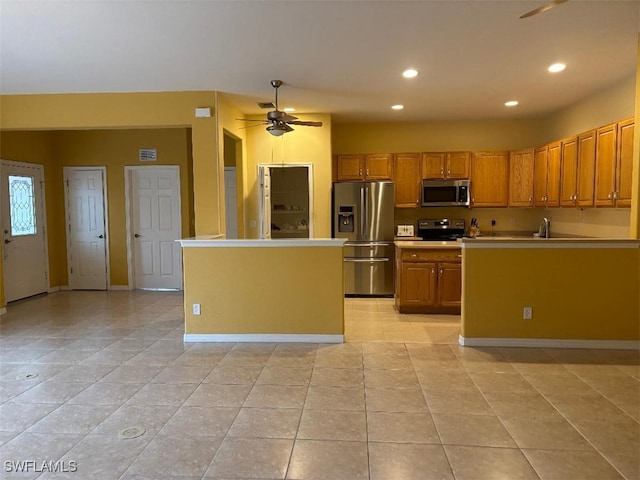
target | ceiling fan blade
[
  {"x": 288, "y": 118},
  {"x": 255, "y": 125},
  {"x": 543, "y": 8},
  {"x": 250, "y": 120},
  {"x": 307, "y": 124}
]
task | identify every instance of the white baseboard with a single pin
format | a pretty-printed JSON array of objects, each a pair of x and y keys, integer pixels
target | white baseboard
[
  {"x": 549, "y": 343},
  {"x": 57, "y": 289},
  {"x": 263, "y": 337},
  {"x": 119, "y": 287},
  {"x": 3, "y": 311}
]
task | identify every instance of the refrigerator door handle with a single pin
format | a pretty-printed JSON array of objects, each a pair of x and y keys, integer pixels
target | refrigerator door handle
[
  {"x": 362, "y": 213},
  {"x": 365, "y": 209}
]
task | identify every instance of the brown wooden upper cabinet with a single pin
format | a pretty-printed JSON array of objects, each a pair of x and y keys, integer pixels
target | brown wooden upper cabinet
[
  {"x": 624, "y": 164},
  {"x": 569, "y": 172},
  {"x": 521, "y": 178},
  {"x": 373, "y": 166},
  {"x": 406, "y": 167},
  {"x": 586, "y": 169},
  {"x": 490, "y": 179},
  {"x": 605, "y": 185},
  {"x": 446, "y": 165},
  {"x": 546, "y": 183}
]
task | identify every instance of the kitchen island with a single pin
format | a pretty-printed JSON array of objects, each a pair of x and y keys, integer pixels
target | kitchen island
[
  {"x": 263, "y": 290},
  {"x": 581, "y": 292}
]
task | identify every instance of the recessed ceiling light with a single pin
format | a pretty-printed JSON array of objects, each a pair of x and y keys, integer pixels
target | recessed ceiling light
[
  {"x": 511, "y": 103},
  {"x": 556, "y": 67},
  {"x": 289, "y": 109},
  {"x": 410, "y": 73},
  {"x": 397, "y": 107}
]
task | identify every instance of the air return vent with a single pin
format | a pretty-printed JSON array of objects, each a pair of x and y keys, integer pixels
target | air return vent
[
  {"x": 148, "y": 154},
  {"x": 266, "y": 105}
]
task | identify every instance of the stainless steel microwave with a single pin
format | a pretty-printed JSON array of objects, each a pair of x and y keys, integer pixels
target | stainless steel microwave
[{"x": 446, "y": 193}]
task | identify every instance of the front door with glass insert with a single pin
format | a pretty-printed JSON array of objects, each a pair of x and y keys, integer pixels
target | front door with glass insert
[{"x": 23, "y": 240}]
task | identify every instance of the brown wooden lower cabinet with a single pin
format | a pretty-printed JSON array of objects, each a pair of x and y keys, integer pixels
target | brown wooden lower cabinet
[{"x": 428, "y": 280}]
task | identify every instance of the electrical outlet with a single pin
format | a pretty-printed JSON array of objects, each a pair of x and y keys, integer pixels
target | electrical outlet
[
  {"x": 493, "y": 222},
  {"x": 527, "y": 313},
  {"x": 196, "y": 309}
]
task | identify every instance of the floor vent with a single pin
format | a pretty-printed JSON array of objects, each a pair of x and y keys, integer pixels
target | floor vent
[{"x": 131, "y": 432}]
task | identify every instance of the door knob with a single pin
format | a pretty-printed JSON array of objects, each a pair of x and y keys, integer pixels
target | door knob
[
  {"x": 7, "y": 241},
  {"x": 137, "y": 235},
  {"x": 100, "y": 236}
]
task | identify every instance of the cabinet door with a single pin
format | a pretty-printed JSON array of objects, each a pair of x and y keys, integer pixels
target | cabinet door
[
  {"x": 540, "y": 176},
  {"x": 378, "y": 166},
  {"x": 458, "y": 164},
  {"x": 433, "y": 165},
  {"x": 407, "y": 179},
  {"x": 521, "y": 178},
  {"x": 418, "y": 284},
  {"x": 568, "y": 171},
  {"x": 605, "y": 166},
  {"x": 490, "y": 179},
  {"x": 350, "y": 167},
  {"x": 586, "y": 168},
  {"x": 449, "y": 284},
  {"x": 553, "y": 174},
  {"x": 625, "y": 163}
]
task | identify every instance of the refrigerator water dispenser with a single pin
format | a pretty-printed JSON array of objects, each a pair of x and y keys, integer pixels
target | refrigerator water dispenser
[{"x": 345, "y": 219}]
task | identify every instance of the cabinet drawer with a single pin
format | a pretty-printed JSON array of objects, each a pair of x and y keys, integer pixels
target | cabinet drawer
[{"x": 431, "y": 255}]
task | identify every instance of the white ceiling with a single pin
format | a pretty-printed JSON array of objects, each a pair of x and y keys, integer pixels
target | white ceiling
[{"x": 339, "y": 57}]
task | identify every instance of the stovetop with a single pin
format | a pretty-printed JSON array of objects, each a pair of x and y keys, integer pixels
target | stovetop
[{"x": 441, "y": 229}]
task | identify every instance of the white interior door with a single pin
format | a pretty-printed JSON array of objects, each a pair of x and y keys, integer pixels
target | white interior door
[
  {"x": 24, "y": 238},
  {"x": 230, "y": 202},
  {"x": 86, "y": 242},
  {"x": 155, "y": 227}
]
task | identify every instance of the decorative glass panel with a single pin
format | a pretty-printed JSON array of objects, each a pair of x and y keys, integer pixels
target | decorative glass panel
[{"x": 22, "y": 205}]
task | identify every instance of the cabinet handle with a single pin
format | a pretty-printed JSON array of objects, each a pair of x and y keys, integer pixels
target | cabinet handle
[
  {"x": 530, "y": 199},
  {"x": 367, "y": 172},
  {"x": 441, "y": 271},
  {"x": 459, "y": 256},
  {"x": 360, "y": 172},
  {"x": 433, "y": 271},
  {"x": 610, "y": 195},
  {"x": 615, "y": 195},
  {"x": 449, "y": 172},
  {"x": 413, "y": 255}
]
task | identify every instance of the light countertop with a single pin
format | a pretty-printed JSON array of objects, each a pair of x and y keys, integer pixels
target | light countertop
[
  {"x": 536, "y": 242},
  {"x": 219, "y": 241},
  {"x": 428, "y": 245}
]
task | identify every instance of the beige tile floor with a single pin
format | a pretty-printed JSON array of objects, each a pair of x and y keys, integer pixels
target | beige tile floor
[{"x": 399, "y": 400}]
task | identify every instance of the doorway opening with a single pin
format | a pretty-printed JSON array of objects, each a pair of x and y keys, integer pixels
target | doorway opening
[{"x": 233, "y": 189}]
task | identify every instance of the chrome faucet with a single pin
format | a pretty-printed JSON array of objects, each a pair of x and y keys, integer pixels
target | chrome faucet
[{"x": 544, "y": 230}]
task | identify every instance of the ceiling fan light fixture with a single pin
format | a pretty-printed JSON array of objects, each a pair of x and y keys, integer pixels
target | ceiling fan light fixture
[
  {"x": 511, "y": 103},
  {"x": 289, "y": 109},
  {"x": 410, "y": 73},
  {"x": 276, "y": 130},
  {"x": 397, "y": 107},
  {"x": 556, "y": 67}
]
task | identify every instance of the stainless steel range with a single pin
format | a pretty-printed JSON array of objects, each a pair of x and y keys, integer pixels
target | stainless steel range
[{"x": 441, "y": 229}]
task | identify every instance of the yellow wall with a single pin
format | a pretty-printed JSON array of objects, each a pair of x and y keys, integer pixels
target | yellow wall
[
  {"x": 264, "y": 290},
  {"x": 399, "y": 137},
  {"x": 131, "y": 110},
  {"x": 114, "y": 149},
  {"x": 305, "y": 145},
  {"x": 227, "y": 118},
  {"x": 575, "y": 293},
  {"x": 634, "y": 230},
  {"x": 611, "y": 105}
]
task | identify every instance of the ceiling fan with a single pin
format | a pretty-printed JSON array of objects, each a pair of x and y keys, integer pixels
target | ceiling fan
[
  {"x": 280, "y": 122},
  {"x": 543, "y": 8}
]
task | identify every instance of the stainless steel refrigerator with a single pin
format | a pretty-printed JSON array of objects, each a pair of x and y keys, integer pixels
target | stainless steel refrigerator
[{"x": 363, "y": 214}]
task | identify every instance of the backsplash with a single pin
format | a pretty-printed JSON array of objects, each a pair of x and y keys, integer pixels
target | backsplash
[{"x": 588, "y": 222}]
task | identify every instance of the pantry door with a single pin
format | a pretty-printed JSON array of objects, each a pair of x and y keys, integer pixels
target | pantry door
[
  {"x": 154, "y": 225},
  {"x": 86, "y": 227},
  {"x": 24, "y": 240}
]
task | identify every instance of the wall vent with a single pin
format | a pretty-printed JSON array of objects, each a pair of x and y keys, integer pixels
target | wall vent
[{"x": 148, "y": 154}]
